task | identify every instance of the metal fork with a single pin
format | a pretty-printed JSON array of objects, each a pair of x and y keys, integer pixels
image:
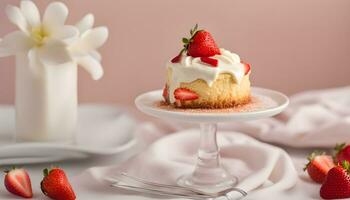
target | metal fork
[
  {"x": 192, "y": 191},
  {"x": 161, "y": 192}
]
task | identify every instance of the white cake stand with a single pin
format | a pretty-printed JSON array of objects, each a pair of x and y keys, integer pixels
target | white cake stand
[{"x": 208, "y": 174}]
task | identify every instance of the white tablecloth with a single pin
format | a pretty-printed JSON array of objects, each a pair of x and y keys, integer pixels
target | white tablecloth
[
  {"x": 81, "y": 181},
  {"x": 304, "y": 190},
  {"x": 313, "y": 119}
]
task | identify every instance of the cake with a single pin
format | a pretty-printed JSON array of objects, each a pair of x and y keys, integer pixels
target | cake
[{"x": 205, "y": 76}]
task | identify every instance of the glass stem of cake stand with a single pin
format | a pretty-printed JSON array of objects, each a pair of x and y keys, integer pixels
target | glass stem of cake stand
[
  {"x": 208, "y": 173},
  {"x": 208, "y": 152}
]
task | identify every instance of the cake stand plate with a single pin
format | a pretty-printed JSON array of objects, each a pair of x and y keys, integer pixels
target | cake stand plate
[
  {"x": 274, "y": 101},
  {"x": 208, "y": 174}
]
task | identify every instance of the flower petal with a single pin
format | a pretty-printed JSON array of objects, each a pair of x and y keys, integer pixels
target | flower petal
[
  {"x": 85, "y": 23},
  {"x": 55, "y": 15},
  {"x": 16, "y": 17},
  {"x": 96, "y": 37},
  {"x": 31, "y": 13},
  {"x": 66, "y": 33},
  {"x": 90, "y": 40},
  {"x": 91, "y": 65},
  {"x": 15, "y": 42},
  {"x": 96, "y": 55},
  {"x": 53, "y": 53}
]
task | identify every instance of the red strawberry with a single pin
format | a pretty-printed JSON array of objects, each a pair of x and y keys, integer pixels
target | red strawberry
[
  {"x": 199, "y": 44},
  {"x": 165, "y": 93},
  {"x": 318, "y": 166},
  {"x": 211, "y": 61},
  {"x": 56, "y": 185},
  {"x": 342, "y": 152},
  {"x": 337, "y": 182},
  {"x": 17, "y": 181},
  {"x": 185, "y": 94},
  {"x": 176, "y": 59},
  {"x": 202, "y": 44},
  {"x": 246, "y": 67}
]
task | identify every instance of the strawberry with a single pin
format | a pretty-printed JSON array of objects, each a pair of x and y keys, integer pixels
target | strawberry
[
  {"x": 56, "y": 185},
  {"x": 342, "y": 152},
  {"x": 185, "y": 94},
  {"x": 165, "y": 93},
  {"x": 176, "y": 59},
  {"x": 246, "y": 67},
  {"x": 318, "y": 166},
  {"x": 17, "y": 181},
  {"x": 211, "y": 61},
  {"x": 337, "y": 182},
  {"x": 202, "y": 45}
]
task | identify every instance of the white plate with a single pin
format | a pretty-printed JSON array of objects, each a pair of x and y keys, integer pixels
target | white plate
[
  {"x": 275, "y": 101},
  {"x": 102, "y": 130}
]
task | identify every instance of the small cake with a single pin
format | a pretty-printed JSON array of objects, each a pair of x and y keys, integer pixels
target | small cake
[{"x": 205, "y": 76}]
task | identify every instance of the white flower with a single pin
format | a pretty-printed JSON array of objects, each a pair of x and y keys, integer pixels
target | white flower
[
  {"x": 84, "y": 49},
  {"x": 49, "y": 41}
]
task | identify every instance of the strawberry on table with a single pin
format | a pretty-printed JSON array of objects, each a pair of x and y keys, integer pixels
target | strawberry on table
[
  {"x": 337, "y": 182},
  {"x": 17, "y": 181},
  {"x": 185, "y": 94},
  {"x": 318, "y": 166},
  {"x": 342, "y": 153},
  {"x": 55, "y": 185}
]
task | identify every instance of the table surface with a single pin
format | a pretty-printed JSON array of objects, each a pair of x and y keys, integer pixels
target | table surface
[{"x": 75, "y": 167}]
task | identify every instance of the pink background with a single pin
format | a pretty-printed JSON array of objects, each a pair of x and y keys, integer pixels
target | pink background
[{"x": 291, "y": 45}]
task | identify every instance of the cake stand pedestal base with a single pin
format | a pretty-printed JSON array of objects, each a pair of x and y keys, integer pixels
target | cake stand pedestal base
[{"x": 208, "y": 175}]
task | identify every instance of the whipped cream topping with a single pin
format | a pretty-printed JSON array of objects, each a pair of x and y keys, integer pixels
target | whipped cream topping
[{"x": 190, "y": 69}]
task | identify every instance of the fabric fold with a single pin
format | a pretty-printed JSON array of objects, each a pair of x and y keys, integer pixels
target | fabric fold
[{"x": 259, "y": 167}]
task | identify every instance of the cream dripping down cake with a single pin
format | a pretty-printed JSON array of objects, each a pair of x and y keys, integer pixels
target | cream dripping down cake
[{"x": 205, "y": 76}]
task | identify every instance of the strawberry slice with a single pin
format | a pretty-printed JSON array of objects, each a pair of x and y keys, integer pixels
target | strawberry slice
[
  {"x": 211, "y": 61},
  {"x": 185, "y": 94},
  {"x": 318, "y": 166},
  {"x": 246, "y": 67},
  {"x": 165, "y": 92},
  {"x": 176, "y": 59},
  {"x": 17, "y": 182}
]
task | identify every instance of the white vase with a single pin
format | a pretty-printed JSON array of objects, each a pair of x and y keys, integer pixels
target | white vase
[{"x": 46, "y": 102}]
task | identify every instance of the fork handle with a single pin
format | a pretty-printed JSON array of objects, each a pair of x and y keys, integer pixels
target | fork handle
[
  {"x": 161, "y": 193},
  {"x": 167, "y": 186}
]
